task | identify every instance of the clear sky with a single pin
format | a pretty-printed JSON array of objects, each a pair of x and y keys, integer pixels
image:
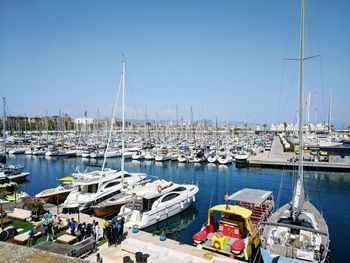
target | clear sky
[{"x": 225, "y": 58}]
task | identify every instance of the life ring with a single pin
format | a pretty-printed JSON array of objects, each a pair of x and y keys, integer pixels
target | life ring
[
  {"x": 217, "y": 244},
  {"x": 159, "y": 188}
]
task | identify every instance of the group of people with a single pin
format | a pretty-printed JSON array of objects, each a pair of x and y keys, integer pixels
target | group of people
[
  {"x": 84, "y": 230},
  {"x": 49, "y": 225},
  {"x": 113, "y": 230}
]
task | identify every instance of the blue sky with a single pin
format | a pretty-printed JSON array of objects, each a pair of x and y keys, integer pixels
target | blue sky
[{"x": 225, "y": 58}]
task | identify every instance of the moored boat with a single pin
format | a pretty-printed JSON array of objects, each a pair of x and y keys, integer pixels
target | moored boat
[{"x": 233, "y": 230}]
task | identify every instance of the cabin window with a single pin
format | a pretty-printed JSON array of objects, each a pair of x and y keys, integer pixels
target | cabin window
[
  {"x": 127, "y": 175},
  {"x": 170, "y": 197},
  {"x": 147, "y": 203},
  {"x": 179, "y": 189},
  {"x": 92, "y": 188},
  {"x": 112, "y": 184}
]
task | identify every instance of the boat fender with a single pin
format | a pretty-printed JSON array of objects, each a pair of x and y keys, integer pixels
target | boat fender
[
  {"x": 182, "y": 205},
  {"x": 158, "y": 217},
  {"x": 159, "y": 188},
  {"x": 162, "y": 238},
  {"x": 194, "y": 199},
  {"x": 166, "y": 210}
]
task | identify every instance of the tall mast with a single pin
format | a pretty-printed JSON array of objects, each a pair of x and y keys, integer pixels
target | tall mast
[
  {"x": 298, "y": 197},
  {"x": 4, "y": 124},
  {"x": 329, "y": 111},
  {"x": 123, "y": 118},
  {"x": 192, "y": 123}
]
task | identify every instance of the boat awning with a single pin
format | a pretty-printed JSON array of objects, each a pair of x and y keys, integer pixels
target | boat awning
[
  {"x": 67, "y": 179},
  {"x": 232, "y": 209},
  {"x": 255, "y": 196}
]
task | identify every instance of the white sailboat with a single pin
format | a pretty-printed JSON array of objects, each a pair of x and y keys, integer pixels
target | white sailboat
[{"x": 296, "y": 232}]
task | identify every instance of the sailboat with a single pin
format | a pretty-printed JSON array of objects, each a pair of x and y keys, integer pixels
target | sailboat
[
  {"x": 122, "y": 196},
  {"x": 98, "y": 186},
  {"x": 297, "y": 231}
]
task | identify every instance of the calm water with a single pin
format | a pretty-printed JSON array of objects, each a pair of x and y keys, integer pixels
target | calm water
[{"x": 330, "y": 192}]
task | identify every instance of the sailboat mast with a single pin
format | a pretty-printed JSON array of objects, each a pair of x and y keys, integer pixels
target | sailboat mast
[
  {"x": 4, "y": 124},
  {"x": 123, "y": 119},
  {"x": 298, "y": 197}
]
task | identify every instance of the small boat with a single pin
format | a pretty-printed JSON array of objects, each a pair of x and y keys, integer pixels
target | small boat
[
  {"x": 224, "y": 159},
  {"x": 162, "y": 157},
  {"x": 111, "y": 205},
  {"x": 149, "y": 156},
  {"x": 241, "y": 159},
  {"x": 57, "y": 194},
  {"x": 40, "y": 151},
  {"x": 96, "y": 154},
  {"x": 212, "y": 158},
  {"x": 183, "y": 158},
  {"x": 233, "y": 230},
  {"x": 17, "y": 151},
  {"x": 138, "y": 156},
  {"x": 199, "y": 157}
]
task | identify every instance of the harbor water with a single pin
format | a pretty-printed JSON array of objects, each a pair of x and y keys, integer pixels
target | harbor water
[{"x": 330, "y": 192}]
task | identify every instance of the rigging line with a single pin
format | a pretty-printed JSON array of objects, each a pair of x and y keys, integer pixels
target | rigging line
[{"x": 322, "y": 88}]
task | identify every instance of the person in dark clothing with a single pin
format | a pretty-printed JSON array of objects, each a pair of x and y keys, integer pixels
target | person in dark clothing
[
  {"x": 78, "y": 233},
  {"x": 88, "y": 232},
  {"x": 110, "y": 236},
  {"x": 115, "y": 232},
  {"x": 72, "y": 225},
  {"x": 121, "y": 230}
]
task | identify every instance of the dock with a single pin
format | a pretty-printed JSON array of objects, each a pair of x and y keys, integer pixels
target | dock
[
  {"x": 278, "y": 159},
  {"x": 117, "y": 253}
]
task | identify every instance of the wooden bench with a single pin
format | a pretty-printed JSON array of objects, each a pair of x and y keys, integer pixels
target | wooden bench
[
  {"x": 66, "y": 239},
  {"x": 23, "y": 238},
  {"x": 20, "y": 214}
]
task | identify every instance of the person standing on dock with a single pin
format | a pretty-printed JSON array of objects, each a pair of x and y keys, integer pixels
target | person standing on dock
[
  {"x": 121, "y": 230},
  {"x": 109, "y": 233},
  {"x": 99, "y": 258},
  {"x": 104, "y": 228},
  {"x": 72, "y": 226},
  {"x": 97, "y": 231}
]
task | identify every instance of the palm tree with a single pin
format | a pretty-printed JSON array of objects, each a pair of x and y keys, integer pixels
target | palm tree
[{"x": 285, "y": 125}]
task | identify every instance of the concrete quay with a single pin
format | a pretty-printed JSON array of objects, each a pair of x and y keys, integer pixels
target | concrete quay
[{"x": 278, "y": 159}]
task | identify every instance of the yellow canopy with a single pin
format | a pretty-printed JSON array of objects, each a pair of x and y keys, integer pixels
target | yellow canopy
[
  {"x": 232, "y": 209},
  {"x": 67, "y": 178}
]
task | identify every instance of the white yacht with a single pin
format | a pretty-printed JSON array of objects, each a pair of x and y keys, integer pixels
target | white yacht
[
  {"x": 157, "y": 201},
  {"x": 96, "y": 186}
]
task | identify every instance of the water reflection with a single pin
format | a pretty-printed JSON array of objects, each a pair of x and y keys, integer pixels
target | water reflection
[{"x": 174, "y": 226}]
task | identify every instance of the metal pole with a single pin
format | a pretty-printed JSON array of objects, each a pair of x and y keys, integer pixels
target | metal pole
[
  {"x": 2, "y": 221},
  {"x": 4, "y": 125},
  {"x": 123, "y": 120}
]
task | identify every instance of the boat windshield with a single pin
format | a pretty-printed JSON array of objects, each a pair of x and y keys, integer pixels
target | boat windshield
[{"x": 84, "y": 189}]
